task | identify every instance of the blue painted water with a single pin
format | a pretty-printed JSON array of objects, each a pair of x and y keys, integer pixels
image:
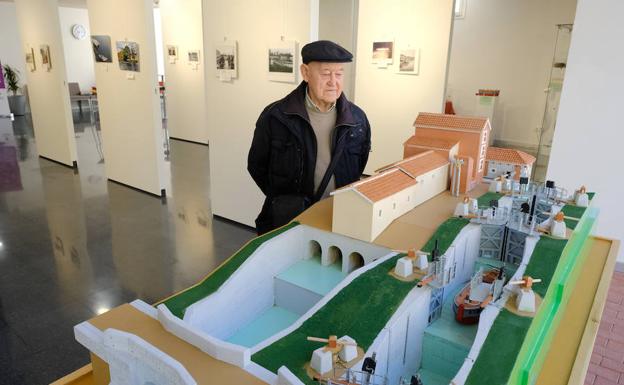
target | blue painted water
[
  {"x": 310, "y": 274},
  {"x": 268, "y": 323}
]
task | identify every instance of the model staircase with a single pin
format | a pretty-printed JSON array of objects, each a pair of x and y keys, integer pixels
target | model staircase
[{"x": 446, "y": 344}]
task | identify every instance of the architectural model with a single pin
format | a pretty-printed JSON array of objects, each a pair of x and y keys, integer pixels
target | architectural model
[{"x": 300, "y": 305}]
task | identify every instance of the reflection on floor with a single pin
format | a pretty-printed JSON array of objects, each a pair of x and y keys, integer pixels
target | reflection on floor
[{"x": 73, "y": 244}]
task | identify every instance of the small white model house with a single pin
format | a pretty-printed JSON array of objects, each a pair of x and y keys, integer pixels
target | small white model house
[
  {"x": 363, "y": 209},
  {"x": 503, "y": 160}
]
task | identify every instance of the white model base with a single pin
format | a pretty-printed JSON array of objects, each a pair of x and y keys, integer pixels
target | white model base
[
  {"x": 404, "y": 267},
  {"x": 461, "y": 209},
  {"x": 496, "y": 186},
  {"x": 322, "y": 360},
  {"x": 558, "y": 229},
  {"x": 582, "y": 200},
  {"x": 348, "y": 352},
  {"x": 422, "y": 262},
  {"x": 525, "y": 301}
]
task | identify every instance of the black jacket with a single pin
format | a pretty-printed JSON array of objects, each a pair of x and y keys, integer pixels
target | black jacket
[{"x": 282, "y": 156}]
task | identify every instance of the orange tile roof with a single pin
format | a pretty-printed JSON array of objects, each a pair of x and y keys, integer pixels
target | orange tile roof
[
  {"x": 509, "y": 155},
  {"x": 379, "y": 187},
  {"x": 419, "y": 164},
  {"x": 457, "y": 122},
  {"x": 429, "y": 142}
]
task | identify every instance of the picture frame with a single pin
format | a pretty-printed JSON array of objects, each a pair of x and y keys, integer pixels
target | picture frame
[
  {"x": 383, "y": 53},
  {"x": 172, "y": 53},
  {"x": 408, "y": 62},
  {"x": 282, "y": 58},
  {"x": 226, "y": 60},
  {"x": 46, "y": 61},
  {"x": 128, "y": 56},
  {"x": 30, "y": 60},
  {"x": 101, "y": 45}
]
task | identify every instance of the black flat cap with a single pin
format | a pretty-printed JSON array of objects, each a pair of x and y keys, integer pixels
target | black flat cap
[{"x": 325, "y": 51}]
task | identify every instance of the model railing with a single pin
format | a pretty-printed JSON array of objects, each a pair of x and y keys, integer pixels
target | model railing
[{"x": 546, "y": 322}]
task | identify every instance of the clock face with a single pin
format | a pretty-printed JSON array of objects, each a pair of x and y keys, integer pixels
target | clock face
[{"x": 79, "y": 31}]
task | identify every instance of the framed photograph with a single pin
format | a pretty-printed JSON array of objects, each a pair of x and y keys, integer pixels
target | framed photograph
[
  {"x": 383, "y": 53},
  {"x": 101, "y": 45},
  {"x": 193, "y": 57},
  {"x": 128, "y": 55},
  {"x": 409, "y": 61},
  {"x": 30, "y": 60},
  {"x": 172, "y": 53},
  {"x": 44, "y": 49},
  {"x": 282, "y": 62},
  {"x": 226, "y": 60}
]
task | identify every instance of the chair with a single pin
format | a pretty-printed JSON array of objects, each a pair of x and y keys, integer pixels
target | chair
[{"x": 74, "y": 90}]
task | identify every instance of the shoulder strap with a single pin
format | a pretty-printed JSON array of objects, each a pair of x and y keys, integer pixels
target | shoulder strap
[{"x": 327, "y": 176}]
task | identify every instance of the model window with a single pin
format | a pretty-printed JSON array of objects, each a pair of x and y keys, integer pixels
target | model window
[
  {"x": 379, "y": 212},
  {"x": 394, "y": 206}
]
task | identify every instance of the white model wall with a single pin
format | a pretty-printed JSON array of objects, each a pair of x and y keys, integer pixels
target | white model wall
[
  {"x": 11, "y": 52},
  {"x": 185, "y": 88},
  {"x": 39, "y": 24},
  {"x": 129, "y": 108},
  {"x": 588, "y": 136},
  {"x": 78, "y": 53},
  {"x": 233, "y": 107},
  {"x": 507, "y": 45},
  {"x": 392, "y": 101}
]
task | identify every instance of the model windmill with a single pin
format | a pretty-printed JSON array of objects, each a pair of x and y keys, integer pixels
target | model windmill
[
  {"x": 323, "y": 358},
  {"x": 525, "y": 301}
]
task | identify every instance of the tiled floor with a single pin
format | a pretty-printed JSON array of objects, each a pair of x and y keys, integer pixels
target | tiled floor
[{"x": 607, "y": 361}]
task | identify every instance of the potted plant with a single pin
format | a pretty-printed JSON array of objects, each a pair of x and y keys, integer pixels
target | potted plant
[{"x": 17, "y": 103}]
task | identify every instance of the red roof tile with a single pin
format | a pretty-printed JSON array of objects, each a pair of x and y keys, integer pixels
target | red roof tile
[
  {"x": 470, "y": 123},
  {"x": 389, "y": 183},
  {"x": 509, "y": 155},
  {"x": 429, "y": 142}
]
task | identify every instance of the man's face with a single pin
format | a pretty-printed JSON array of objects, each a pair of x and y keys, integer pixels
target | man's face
[{"x": 324, "y": 80}]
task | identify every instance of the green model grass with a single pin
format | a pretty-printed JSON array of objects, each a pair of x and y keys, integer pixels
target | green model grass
[
  {"x": 178, "y": 303},
  {"x": 485, "y": 199},
  {"x": 445, "y": 234},
  {"x": 574, "y": 212}
]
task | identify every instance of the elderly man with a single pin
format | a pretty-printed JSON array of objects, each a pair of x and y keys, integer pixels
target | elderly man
[{"x": 309, "y": 143}]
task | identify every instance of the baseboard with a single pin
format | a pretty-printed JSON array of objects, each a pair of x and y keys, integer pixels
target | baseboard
[
  {"x": 162, "y": 196},
  {"x": 233, "y": 222},
  {"x": 188, "y": 141},
  {"x": 74, "y": 164}
]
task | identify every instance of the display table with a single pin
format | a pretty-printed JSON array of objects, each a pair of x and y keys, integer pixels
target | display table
[{"x": 566, "y": 362}]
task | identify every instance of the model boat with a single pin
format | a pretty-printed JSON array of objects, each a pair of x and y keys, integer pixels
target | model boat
[{"x": 477, "y": 294}]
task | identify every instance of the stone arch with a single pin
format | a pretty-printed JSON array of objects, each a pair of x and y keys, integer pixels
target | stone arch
[
  {"x": 314, "y": 250},
  {"x": 356, "y": 260},
  {"x": 334, "y": 255}
]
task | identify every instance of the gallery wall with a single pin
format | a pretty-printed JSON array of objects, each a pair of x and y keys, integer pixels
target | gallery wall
[
  {"x": 233, "y": 106},
  {"x": 185, "y": 87},
  {"x": 129, "y": 102},
  {"x": 39, "y": 24},
  {"x": 78, "y": 53},
  {"x": 390, "y": 100},
  {"x": 10, "y": 47},
  {"x": 588, "y": 136},
  {"x": 507, "y": 45},
  {"x": 338, "y": 23}
]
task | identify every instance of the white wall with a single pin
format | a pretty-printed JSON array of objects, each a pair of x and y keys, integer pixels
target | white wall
[
  {"x": 233, "y": 107},
  {"x": 11, "y": 52},
  {"x": 338, "y": 23},
  {"x": 186, "y": 93},
  {"x": 78, "y": 53},
  {"x": 390, "y": 100},
  {"x": 39, "y": 24},
  {"x": 507, "y": 45},
  {"x": 129, "y": 108},
  {"x": 588, "y": 136}
]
